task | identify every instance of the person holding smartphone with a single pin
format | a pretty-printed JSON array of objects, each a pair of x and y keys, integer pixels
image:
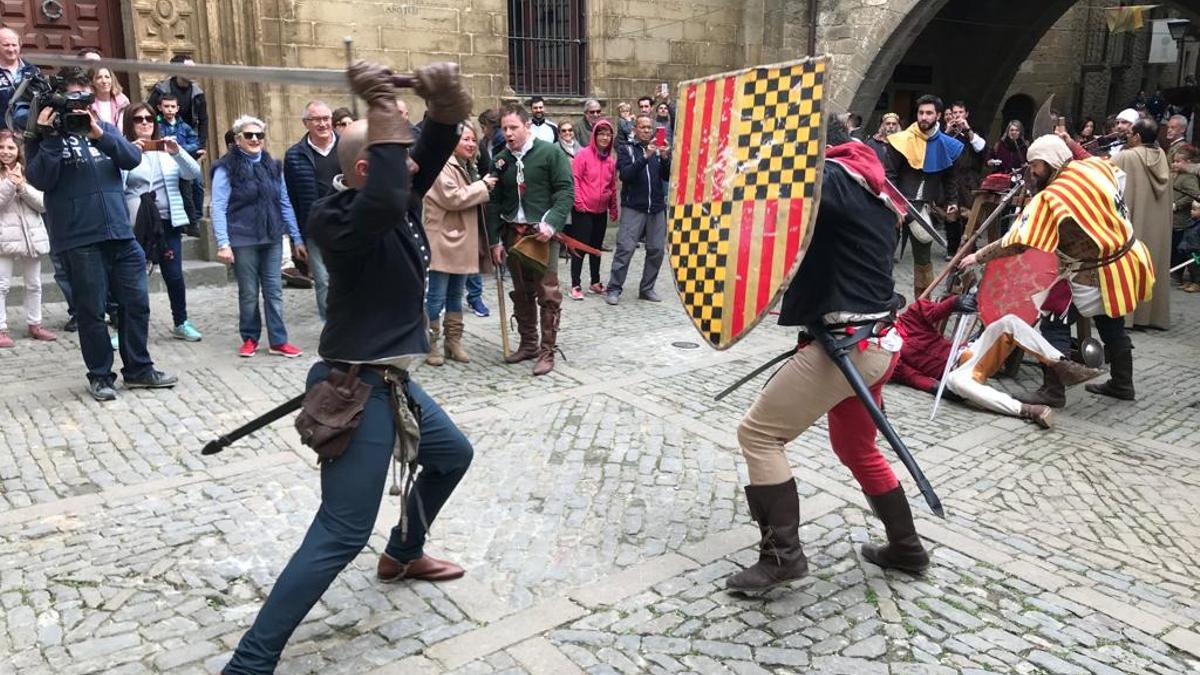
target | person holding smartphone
[
  {"x": 164, "y": 166},
  {"x": 644, "y": 167}
]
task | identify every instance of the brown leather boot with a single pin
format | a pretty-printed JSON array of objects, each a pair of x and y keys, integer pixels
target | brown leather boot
[
  {"x": 453, "y": 321},
  {"x": 525, "y": 310},
  {"x": 1120, "y": 383},
  {"x": 922, "y": 277},
  {"x": 1071, "y": 373},
  {"x": 425, "y": 568},
  {"x": 1052, "y": 392},
  {"x": 434, "y": 357},
  {"x": 545, "y": 356},
  {"x": 776, "y": 509},
  {"x": 903, "y": 550},
  {"x": 1041, "y": 415}
]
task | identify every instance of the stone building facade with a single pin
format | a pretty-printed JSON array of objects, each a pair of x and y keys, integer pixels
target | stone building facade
[{"x": 985, "y": 52}]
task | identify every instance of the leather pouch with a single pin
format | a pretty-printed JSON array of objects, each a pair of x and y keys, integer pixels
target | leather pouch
[{"x": 332, "y": 411}]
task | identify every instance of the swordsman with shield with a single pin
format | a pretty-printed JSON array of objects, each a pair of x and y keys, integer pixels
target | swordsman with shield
[
  {"x": 1104, "y": 272},
  {"x": 844, "y": 286}
]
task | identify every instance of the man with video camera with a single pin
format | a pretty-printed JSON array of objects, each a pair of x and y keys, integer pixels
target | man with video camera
[{"x": 77, "y": 160}]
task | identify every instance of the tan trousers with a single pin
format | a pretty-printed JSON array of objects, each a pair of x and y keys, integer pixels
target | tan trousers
[{"x": 808, "y": 386}]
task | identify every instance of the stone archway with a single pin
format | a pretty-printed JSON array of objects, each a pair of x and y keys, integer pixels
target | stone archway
[
  {"x": 1020, "y": 107},
  {"x": 980, "y": 45}
]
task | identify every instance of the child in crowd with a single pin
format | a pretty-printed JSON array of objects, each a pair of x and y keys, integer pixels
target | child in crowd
[{"x": 1189, "y": 246}]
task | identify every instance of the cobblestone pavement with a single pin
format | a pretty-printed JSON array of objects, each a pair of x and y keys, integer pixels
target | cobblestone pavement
[{"x": 599, "y": 520}]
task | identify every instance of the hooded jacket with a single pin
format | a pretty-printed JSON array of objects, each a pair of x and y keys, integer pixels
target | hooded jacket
[
  {"x": 81, "y": 178},
  {"x": 596, "y": 177},
  {"x": 22, "y": 233}
]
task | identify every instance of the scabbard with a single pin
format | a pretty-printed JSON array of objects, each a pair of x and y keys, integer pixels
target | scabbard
[
  {"x": 839, "y": 352},
  {"x": 225, "y": 440}
]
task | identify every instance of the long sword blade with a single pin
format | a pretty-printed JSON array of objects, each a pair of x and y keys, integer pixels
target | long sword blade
[
  {"x": 955, "y": 349},
  {"x": 280, "y": 75}
]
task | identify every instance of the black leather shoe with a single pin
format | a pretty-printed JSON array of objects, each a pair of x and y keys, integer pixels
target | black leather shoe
[
  {"x": 71, "y": 326},
  {"x": 102, "y": 391},
  {"x": 155, "y": 380}
]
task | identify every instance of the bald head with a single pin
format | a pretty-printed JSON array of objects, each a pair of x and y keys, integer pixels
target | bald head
[{"x": 351, "y": 148}]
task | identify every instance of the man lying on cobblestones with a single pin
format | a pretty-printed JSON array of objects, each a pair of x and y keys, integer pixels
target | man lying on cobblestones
[
  {"x": 377, "y": 259},
  {"x": 845, "y": 284}
]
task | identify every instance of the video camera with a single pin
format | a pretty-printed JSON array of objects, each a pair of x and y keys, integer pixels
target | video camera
[{"x": 39, "y": 91}]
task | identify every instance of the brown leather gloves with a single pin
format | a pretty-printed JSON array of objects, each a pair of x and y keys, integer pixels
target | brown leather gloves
[
  {"x": 445, "y": 96},
  {"x": 385, "y": 124}
]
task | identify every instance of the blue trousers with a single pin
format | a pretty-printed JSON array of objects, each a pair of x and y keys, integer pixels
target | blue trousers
[
  {"x": 96, "y": 271},
  {"x": 445, "y": 292},
  {"x": 351, "y": 487},
  {"x": 258, "y": 267},
  {"x": 171, "y": 265},
  {"x": 474, "y": 287}
]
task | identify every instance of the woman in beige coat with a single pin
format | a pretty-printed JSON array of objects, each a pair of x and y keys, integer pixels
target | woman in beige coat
[
  {"x": 23, "y": 239},
  {"x": 457, "y": 243}
]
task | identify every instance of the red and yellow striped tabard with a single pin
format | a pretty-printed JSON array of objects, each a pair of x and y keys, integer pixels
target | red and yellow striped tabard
[{"x": 1087, "y": 192}]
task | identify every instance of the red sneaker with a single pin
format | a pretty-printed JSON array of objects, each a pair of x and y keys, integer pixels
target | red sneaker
[
  {"x": 286, "y": 349},
  {"x": 597, "y": 288},
  {"x": 248, "y": 348}
]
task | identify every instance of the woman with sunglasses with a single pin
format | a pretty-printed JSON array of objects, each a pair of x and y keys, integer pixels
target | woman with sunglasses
[
  {"x": 250, "y": 213},
  {"x": 164, "y": 165}
]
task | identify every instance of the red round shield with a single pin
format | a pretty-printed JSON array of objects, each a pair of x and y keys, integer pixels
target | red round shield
[{"x": 1009, "y": 284}]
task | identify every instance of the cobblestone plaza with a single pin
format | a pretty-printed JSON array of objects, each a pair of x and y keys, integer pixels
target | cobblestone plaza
[{"x": 600, "y": 517}]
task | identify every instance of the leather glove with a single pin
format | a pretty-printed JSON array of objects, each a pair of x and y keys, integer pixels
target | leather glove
[
  {"x": 373, "y": 82},
  {"x": 385, "y": 124},
  {"x": 446, "y": 99},
  {"x": 966, "y": 303}
]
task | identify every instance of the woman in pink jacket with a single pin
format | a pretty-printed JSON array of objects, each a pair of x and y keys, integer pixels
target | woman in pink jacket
[{"x": 595, "y": 171}]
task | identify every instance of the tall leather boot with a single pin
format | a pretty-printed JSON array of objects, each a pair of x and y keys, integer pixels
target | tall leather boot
[
  {"x": 1052, "y": 392},
  {"x": 903, "y": 550},
  {"x": 1071, "y": 373},
  {"x": 525, "y": 310},
  {"x": 1120, "y": 370},
  {"x": 454, "y": 332},
  {"x": 545, "y": 355},
  {"x": 922, "y": 277},
  {"x": 776, "y": 509},
  {"x": 434, "y": 358}
]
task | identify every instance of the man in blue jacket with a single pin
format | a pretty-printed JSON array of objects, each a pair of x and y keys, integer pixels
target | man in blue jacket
[
  {"x": 91, "y": 229},
  {"x": 644, "y": 168},
  {"x": 309, "y": 168}
]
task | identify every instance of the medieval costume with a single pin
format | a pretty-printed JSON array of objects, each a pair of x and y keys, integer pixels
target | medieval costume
[
  {"x": 922, "y": 166},
  {"x": 1105, "y": 272},
  {"x": 377, "y": 258},
  {"x": 535, "y": 187},
  {"x": 844, "y": 286},
  {"x": 968, "y": 173},
  {"x": 1148, "y": 199},
  {"x": 926, "y": 351}
]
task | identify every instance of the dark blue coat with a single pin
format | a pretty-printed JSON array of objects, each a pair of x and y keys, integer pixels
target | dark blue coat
[
  {"x": 8, "y": 87},
  {"x": 642, "y": 179},
  {"x": 300, "y": 176},
  {"x": 85, "y": 196}
]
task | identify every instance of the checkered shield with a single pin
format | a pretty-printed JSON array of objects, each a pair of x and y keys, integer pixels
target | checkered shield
[{"x": 748, "y": 156}]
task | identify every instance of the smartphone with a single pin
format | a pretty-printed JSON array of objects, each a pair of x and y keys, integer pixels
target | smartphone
[
  {"x": 660, "y": 137},
  {"x": 152, "y": 145},
  {"x": 663, "y": 90}
]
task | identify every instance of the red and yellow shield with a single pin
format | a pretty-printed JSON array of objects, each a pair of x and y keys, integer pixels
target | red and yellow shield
[{"x": 748, "y": 155}]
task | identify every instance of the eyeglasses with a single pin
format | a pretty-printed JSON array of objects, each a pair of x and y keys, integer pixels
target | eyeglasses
[
  {"x": 254, "y": 135},
  {"x": 327, "y": 118},
  {"x": 568, "y": 130},
  {"x": 143, "y": 118},
  {"x": 592, "y": 112}
]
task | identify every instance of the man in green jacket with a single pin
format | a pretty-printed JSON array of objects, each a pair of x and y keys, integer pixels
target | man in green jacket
[{"x": 533, "y": 198}]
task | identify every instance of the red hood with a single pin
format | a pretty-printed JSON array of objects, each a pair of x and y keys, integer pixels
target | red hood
[{"x": 861, "y": 162}]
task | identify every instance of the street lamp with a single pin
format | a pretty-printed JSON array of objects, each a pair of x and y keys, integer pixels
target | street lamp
[{"x": 1179, "y": 29}]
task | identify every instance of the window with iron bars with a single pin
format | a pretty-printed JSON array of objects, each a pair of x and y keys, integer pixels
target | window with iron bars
[{"x": 547, "y": 47}]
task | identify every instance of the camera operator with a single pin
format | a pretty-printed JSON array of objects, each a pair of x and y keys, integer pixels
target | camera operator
[
  {"x": 13, "y": 71},
  {"x": 77, "y": 161}
]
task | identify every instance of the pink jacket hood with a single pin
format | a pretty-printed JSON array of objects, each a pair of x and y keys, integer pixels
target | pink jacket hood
[{"x": 596, "y": 176}]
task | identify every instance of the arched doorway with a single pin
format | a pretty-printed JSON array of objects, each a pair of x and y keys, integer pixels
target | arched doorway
[{"x": 1019, "y": 107}]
